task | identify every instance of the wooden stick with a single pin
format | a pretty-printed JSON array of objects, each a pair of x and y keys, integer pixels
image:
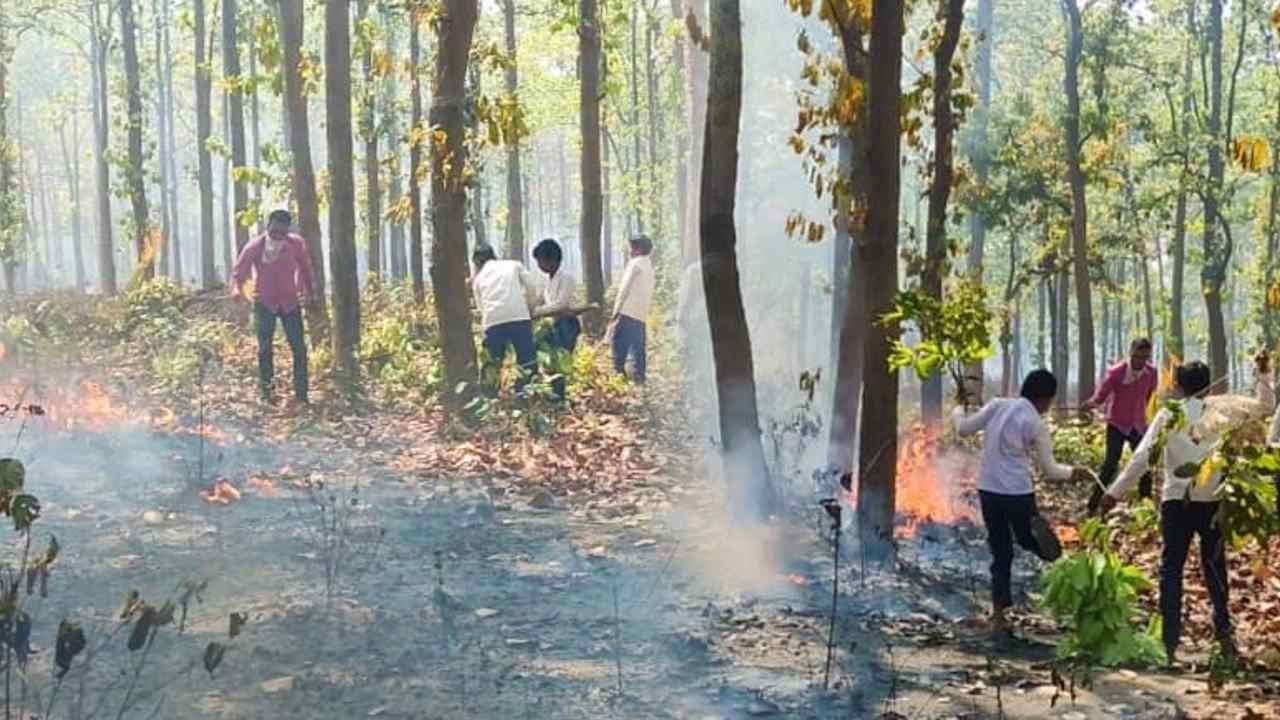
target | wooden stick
[{"x": 575, "y": 311}]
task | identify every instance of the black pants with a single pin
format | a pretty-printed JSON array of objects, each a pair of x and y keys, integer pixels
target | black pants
[
  {"x": 1180, "y": 520},
  {"x": 518, "y": 336},
  {"x": 1116, "y": 440},
  {"x": 293, "y": 332},
  {"x": 563, "y": 338},
  {"x": 1007, "y": 517}
]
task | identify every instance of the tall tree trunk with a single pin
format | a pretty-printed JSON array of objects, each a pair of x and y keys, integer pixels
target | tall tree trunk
[
  {"x": 981, "y": 159},
  {"x": 1177, "y": 332},
  {"x": 204, "y": 132},
  {"x": 656, "y": 197},
  {"x": 136, "y": 178},
  {"x": 175, "y": 222},
  {"x": 1042, "y": 307},
  {"x": 100, "y": 42},
  {"x": 369, "y": 129},
  {"x": 228, "y": 212},
  {"x": 255, "y": 113},
  {"x": 292, "y": 29},
  {"x": 415, "y": 160},
  {"x": 1061, "y": 336},
  {"x": 235, "y": 106},
  {"x": 342, "y": 190},
  {"x": 162, "y": 92},
  {"x": 696, "y": 63},
  {"x": 515, "y": 190},
  {"x": 454, "y": 34},
  {"x": 10, "y": 251},
  {"x": 397, "y": 256},
  {"x": 637, "y": 160},
  {"x": 606, "y": 205},
  {"x": 589, "y": 50},
  {"x": 743, "y": 454},
  {"x": 71, "y": 164},
  {"x": 475, "y": 198},
  {"x": 877, "y": 459},
  {"x": 1272, "y": 236},
  {"x": 681, "y": 136},
  {"x": 1079, "y": 211},
  {"x": 951, "y": 15}
]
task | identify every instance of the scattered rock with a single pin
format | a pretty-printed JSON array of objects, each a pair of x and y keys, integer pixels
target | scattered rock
[
  {"x": 760, "y": 708},
  {"x": 1074, "y": 716},
  {"x": 486, "y": 613},
  {"x": 598, "y": 552},
  {"x": 518, "y": 642},
  {"x": 544, "y": 501},
  {"x": 278, "y": 685},
  {"x": 646, "y": 543},
  {"x": 1128, "y": 675},
  {"x": 378, "y": 711},
  {"x": 153, "y": 517}
]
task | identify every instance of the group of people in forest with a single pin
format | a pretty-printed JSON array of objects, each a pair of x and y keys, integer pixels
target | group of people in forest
[
  {"x": 1016, "y": 436},
  {"x": 274, "y": 271}
]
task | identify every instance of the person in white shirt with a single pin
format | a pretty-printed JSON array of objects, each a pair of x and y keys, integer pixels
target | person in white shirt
[
  {"x": 631, "y": 308},
  {"x": 557, "y": 300},
  {"x": 1187, "y": 507},
  {"x": 502, "y": 290},
  {"x": 1015, "y": 438}
]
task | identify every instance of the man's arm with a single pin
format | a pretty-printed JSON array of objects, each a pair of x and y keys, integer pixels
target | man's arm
[
  {"x": 628, "y": 280},
  {"x": 1049, "y": 465},
  {"x": 1103, "y": 393},
  {"x": 305, "y": 270},
  {"x": 244, "y": 265},
  {"x": 1140, "y": 462},
  {"x": 562, "y": 294},
  {"x": 966, "y": 426}
]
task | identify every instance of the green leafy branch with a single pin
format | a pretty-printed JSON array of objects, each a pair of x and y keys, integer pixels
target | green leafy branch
[{"x": 954, "y": 332}]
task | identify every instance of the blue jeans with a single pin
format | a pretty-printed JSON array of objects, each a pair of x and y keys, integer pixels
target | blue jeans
[
  {"x": 564, "y": 337},
  {"x": 517, "y": 336},
  {"x": 629, "y": 339}
]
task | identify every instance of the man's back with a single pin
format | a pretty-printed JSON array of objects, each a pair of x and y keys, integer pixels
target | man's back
[{"x": 501, "y": 292}]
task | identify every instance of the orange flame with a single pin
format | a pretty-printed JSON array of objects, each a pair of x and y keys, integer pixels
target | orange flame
[
  {"x": 927, "y": 491},
  {"x": 82, "y": 406}
]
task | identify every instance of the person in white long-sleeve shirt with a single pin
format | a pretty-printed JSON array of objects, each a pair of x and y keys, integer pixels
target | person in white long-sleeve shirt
[
  {"x": 1015, "y": 439},
  {"x": 503, "y": 290},
  {"x": 557, "y": 300},
  {"x": 1188, "y": 507},
  {"x": 631, "y": 309}
]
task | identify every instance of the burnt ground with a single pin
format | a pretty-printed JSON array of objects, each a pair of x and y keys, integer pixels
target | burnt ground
[{"x": 457, "y": 598}]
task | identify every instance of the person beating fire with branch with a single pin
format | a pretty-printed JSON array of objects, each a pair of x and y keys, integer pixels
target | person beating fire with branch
[{"x": 1015, "y": 436}]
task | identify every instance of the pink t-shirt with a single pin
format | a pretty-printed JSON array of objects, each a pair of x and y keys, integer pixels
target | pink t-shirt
[
  {"x": 1128, "y": 391},
  {"x": 278, "y": 279}
]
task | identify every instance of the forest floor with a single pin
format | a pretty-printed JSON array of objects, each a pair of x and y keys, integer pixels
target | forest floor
[{"x": 390, "y": 566}]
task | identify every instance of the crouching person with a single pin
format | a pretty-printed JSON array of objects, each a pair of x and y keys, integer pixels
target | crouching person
[
  {"x": 1188, "y": 507},
  {"x": 502, "y": 291},
  {"x": 1015, "y": 438}
]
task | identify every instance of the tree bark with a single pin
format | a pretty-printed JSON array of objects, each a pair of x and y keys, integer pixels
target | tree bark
[
  {"x": 415, "y": 161},
  {"x": 743, "y": 454},
  {"x": 136, "y": 178},
  {"x": 1061, "y": 337},
  {"x": 369, "y": 129},
  {"x": 951, "y": 15},
  {"x": 204, "y": 131},
  {"x": 397, "y": 257},
  {"x": 227, "y": 211},
  {"x": 656, "y": 196},
  {"x": 515, "y": 189},
  {"x": 589, "y": 50},
  {"x": 235, "y": 106},
  {"x": 175, "y": 222},
  {"x": 100, "y": 42},
  {"x": 981, "y": 159},
  {"x": 1079, "y": 211},
  {"x": 342, "y": 191},
  {"x": 680, "y": 137},
  {"x": 71, "y": 165},
  {"x": 454, "y": 33},
  {"x": 1177, "y": 334},
  {"x": 162, "y": 91},
  {"x": 696, "y": 63},
  {"x": 292, "y": 29},
  {"x": 255, "y": 115}
]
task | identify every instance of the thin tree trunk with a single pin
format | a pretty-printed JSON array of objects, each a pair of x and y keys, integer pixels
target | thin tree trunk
[
  {"x": 228, "y": 213},
  {"x": 589, "y": 50},
  {"x": 515, "y": 190},
  {"x": 415, "y": 160},
  {"x": 369, "y": 129},
  {"x": 1177, "y": 333},
  {"x": 454, "y": 34},
  {"x": 981, "y": 159},
  {"x": 100, "y": 42},
  {"x": 696, "y": 63},
  {"x": 175, "y": 222},
  {"x": 606, "y": 204},
  {"x": 1079, "y": 211},
  {"x": 204, "y": 132},
  {"x": 397, "y": 255},
  {"x": 951, "y": 14},
  {"x": 136, "y": 178},
  {"x": 255, "y": 114},
  {"x": 71, "y": 163},
  {"x": 475, "y": 198},
  {"x": 342, "y": 190},
  {"x": 743, "y": 454},
  {"x": 292, "y": 29},
  {"x": 680, "y": 137},
  {"x": 1217, "y": 249},
  {"x": 10, "y": 251},
  {"x": 162, "y": 92},
  {"x": 1061, "y": 337},
  {"x": 656, "y": 197},
  {"x": 877, "y": 459},
  {"x": 235, "y": 106}
]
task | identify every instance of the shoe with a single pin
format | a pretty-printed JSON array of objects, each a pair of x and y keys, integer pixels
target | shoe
[{"x": 1047, "y": 545}]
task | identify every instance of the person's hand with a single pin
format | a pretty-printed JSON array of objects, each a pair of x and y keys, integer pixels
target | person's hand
[{"x": 1081, "y": 473}]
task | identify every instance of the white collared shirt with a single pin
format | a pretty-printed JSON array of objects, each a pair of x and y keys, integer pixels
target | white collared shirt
[
  {"x": 636, "y": 292},
  {"x": 560, "y": 292},
  {"x": 1016, "y": 435},
  {"x": 1189, "y": 445},
  {"x": 502, "y": 290}
]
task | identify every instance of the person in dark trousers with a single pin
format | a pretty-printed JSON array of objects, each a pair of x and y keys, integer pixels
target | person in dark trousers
[
  {"x": 631, "y": 309},
  {"x": 280, "y": 267},
  {"x": 1015, "y": 437},
  {"x": 502, "y": 290},
  {"x": 557, "y": 301},
  {"x": 1125, "y": 391},
  {"x": 1189, "y": 505}
]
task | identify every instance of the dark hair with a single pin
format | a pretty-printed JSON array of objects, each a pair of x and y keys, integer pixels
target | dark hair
[
  {"x": 643, "y": 244},
  {"x": 1039, "y": 385},
  {"x": 1192, "y": 378},
  {"x": 550, "y": 250},
  {"x": 483, "y": 254},
  {"x": 1141, "y": 343},
  {"x": 280, "y": 216}
]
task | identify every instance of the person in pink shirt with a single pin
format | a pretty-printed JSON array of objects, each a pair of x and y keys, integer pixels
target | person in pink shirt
[
  {"x": 281, "y": 268},
  {"x": 1125, "y": 391}
]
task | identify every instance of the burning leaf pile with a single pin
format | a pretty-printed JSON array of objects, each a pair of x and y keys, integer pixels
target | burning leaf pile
[{"x": 932, "y": 481}]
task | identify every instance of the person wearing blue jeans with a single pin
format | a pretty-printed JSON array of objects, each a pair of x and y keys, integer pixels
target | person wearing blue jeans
[
  {"x": 502, "y": 290},
  {"x": 635, "y": 296},
  {"x": 557, "y": 302}
]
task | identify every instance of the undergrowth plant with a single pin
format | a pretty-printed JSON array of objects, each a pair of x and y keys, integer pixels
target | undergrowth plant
[{"x": 1094, "y": 593}]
